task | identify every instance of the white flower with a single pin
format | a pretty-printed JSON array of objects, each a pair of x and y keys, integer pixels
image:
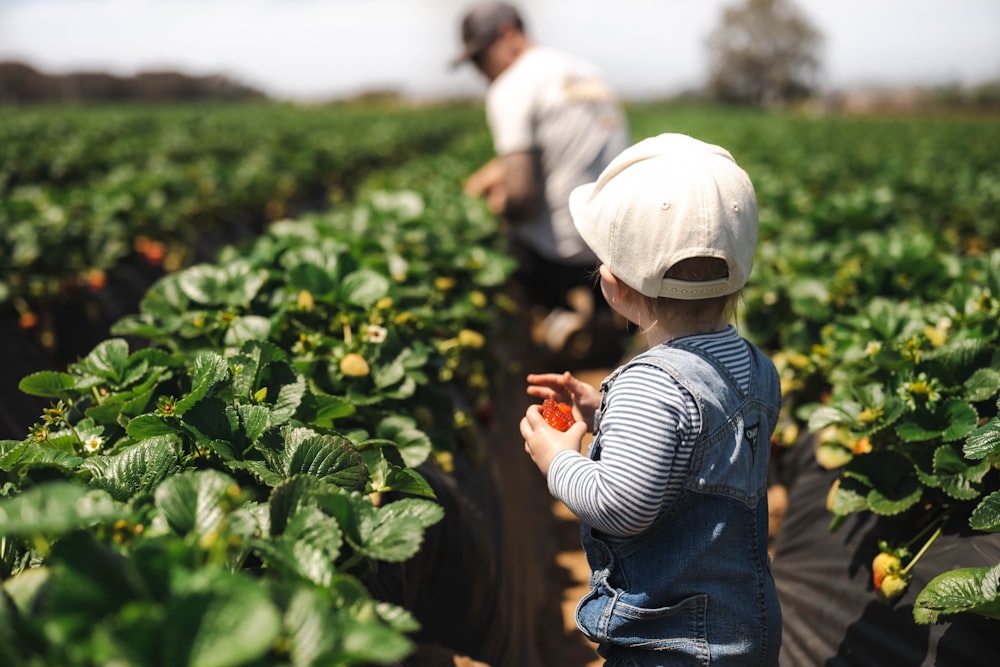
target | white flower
[
  {"x": 93, "y": 443},
  {"x": 375, "y": 333}
]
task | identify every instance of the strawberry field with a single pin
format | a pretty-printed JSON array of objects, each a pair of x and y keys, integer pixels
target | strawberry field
[{"x": 258, "y": 406}]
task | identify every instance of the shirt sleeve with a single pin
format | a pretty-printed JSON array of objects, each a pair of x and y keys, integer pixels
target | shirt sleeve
[
  {"x": 509, "y": 112},
  {"x": 647, "y": 431}
]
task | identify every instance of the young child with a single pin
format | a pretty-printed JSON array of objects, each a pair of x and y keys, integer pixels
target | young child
[{"x": 672, "y": 495}]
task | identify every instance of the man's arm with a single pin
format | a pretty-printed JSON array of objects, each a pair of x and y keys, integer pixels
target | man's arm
[
  {"x": 510, "y": 185},
  {"x": 522, "y": 180}
]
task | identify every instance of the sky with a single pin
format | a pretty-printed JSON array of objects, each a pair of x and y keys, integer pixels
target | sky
[{"x": 324, "y": 49}]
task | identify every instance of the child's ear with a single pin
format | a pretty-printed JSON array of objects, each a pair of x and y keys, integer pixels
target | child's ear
[{"x": 612, "y": 287}]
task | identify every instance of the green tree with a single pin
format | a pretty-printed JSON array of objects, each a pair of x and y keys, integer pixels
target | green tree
[{"x": 763, "y": 52}]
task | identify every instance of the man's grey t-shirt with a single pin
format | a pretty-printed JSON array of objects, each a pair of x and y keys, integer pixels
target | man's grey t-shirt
[{"x": 560, "y": 107}]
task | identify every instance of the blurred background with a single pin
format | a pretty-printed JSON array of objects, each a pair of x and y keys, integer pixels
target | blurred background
[{"x": 324, "y": 50}]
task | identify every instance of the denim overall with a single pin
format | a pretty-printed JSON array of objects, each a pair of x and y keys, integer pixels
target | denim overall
[{"x": 695, "y": 588}]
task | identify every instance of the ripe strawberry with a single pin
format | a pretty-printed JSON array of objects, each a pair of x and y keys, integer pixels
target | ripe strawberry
[{"x": 558, "y": 415}]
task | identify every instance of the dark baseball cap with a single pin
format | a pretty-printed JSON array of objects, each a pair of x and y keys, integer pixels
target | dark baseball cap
[{"x": 481, "y": 27}]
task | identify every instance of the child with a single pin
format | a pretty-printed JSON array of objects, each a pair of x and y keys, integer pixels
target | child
[{"x": 672, "y": 495}]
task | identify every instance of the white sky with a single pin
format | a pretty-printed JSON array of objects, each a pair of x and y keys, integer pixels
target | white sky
[{"x": 318, "y": 49}]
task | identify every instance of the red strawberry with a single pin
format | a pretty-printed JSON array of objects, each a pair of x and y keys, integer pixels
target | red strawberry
[{"x": 558, "y": 415}]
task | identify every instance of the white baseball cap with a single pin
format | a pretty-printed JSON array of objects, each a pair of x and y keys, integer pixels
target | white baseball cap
[{"x": 665, "y": 199}]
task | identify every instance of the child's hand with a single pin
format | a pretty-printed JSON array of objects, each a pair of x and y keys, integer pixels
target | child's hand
[
  {"x": 566, "y": 388},
  {"x": 542, "y": 442}
]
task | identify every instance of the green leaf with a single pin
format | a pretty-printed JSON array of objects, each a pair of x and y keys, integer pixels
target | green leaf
[
  {"x": 328, "y": 409},
  {"x": 961, "y": 419},
  {"x": 225, "y": 620},
  {"x": 984, "y": 441},
  {"x": 364, "y": 287},
  {"x": 148, "y": 426},
  {"x": 394, "y": 532},
  {"x": 986, "y": 516},
  {"x": 957, "y": 591},
  {"x": 246, "y": 328},
  {"x": 414, "y": 445},
  {"x": 254, "y": 419},
  {"x": 192, "y": 501},
  {"x": 230, "y": 284},
  {"x": 983, "y": 385},
  {"x": 107, "y": 361},
  {"x": 136, "y": 469},
  {"x": 831, "y": 416},
  {"x": 208, "y": 370},
  {"x": 955, "y": 475},
  {"x": 307, "y": 547},
  {"x": 56, "y": 508},
  {"x": 893, "y": 486},
  {"x": 48, "y": 384},
  {"x": 951, "y": 420},
  {"x": 331, "y": 458}
]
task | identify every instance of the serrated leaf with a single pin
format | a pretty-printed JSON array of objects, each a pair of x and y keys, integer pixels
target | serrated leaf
[
  {"x": 849, "y": 497},
  {"x": 330, "y": 458},
  {"x": 190, "y": 502},
  {"x": 288, "y": 496},
  {"x": 227, "y": 621},
  {"x": 986, "y": 515},
  {"x": 231, "y": 284},
  {"x": 254, "y": 420},
  {"x": 828, "y": 416},
  {"x": 329, "y": 408},
  {"x": 911, "y": 431},
  {"x": 956, "y": 476},
  {"x": 310, "y": 626},
  {"x": 957, "y": 591},
  {"x": 246, "y": 328},
  {"x": 983, "y": 384},
  {"x": 984, "y": 441},
  {"x": 387, "y": 472},
  {"x": 364, "y": 287},
  {"x": 394, "y": 533},
  {"x": 136, "y": 469},
  {"x": 960, "y": 417},
  {"x": 208, "y": 370},
  {"x": 108, "y": 360},
  {"x": 413, "y": 443},
  {"x": 56, "y": 508},
  {"x": 308, "y": 546},
  {"x": 148, "y": 426},
  {"x": 893, "y": 484},
  {"x": 48, "y": 384}
]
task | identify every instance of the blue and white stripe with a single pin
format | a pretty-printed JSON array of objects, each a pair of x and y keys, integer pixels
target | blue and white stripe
[{"x": 648, "y": 428}]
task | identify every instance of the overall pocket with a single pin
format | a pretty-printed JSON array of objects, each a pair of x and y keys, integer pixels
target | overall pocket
[{"x": 603, "y": 615}]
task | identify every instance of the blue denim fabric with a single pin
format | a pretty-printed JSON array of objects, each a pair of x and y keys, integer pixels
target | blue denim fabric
[{"x": 696, "y": 587}]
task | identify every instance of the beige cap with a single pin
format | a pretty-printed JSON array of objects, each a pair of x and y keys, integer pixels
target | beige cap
[{"x": 665, "y": 199}]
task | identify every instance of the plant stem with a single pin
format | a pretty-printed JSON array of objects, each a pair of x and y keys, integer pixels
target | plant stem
[{"x": 924, "y": 548}]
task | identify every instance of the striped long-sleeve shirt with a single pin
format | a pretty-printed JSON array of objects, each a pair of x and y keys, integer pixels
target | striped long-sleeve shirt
[{"x": 648, "y": 428}]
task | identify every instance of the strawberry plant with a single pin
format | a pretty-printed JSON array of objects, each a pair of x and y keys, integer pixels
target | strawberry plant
[
  {"x": 241, "y": 476},
  {"x": 912, "y": 423}
]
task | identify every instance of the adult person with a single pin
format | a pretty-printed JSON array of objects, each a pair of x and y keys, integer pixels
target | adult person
[{"x": 556, "y": 124}]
